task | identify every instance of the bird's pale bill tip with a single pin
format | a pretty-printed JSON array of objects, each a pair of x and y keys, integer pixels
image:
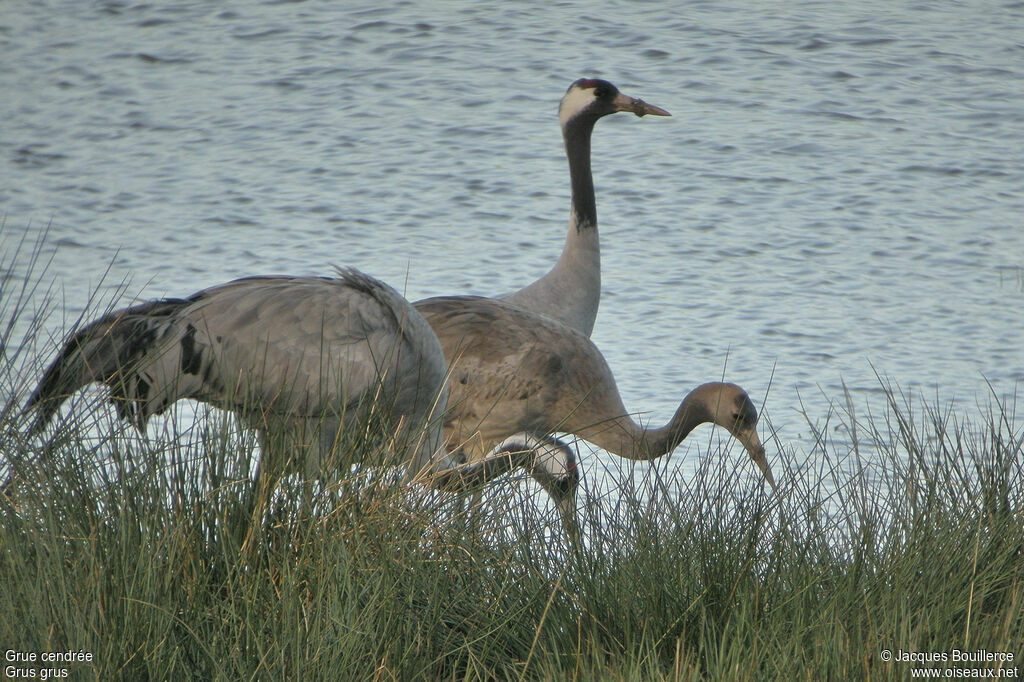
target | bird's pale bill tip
[
  {"x": 642, "y": 108},
  {"x": 762, "y": 464}
]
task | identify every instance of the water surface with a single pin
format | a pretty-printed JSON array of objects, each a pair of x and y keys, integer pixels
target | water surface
[{"x": 837, "y": 194}]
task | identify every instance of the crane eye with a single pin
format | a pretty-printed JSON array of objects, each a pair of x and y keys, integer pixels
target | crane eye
[{"x": 600, "y": 92}]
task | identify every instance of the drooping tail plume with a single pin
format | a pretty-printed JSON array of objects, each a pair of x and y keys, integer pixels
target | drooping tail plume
[{"x": 114, "y": 351}]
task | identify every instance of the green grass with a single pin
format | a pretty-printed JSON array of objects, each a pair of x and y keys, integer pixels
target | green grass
[{"x": 905, "y": 535}]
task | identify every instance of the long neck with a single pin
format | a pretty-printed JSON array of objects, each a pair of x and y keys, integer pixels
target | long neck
[
  {"x": 576, "y": 134},
  {"x": 463, "y": 476},
  {"x": 571, "y": 291},
  {"x": 624, "y": 437},
  {"x": 576, "y": 277}
]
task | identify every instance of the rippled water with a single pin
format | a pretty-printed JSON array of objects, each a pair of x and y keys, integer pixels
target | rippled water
[{"x": 838, "y": 192}]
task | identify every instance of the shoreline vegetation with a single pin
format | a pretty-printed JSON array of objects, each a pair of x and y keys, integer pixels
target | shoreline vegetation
[{"x": 900, "y": 547}]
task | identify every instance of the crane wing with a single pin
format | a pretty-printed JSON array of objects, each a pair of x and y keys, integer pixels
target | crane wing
[{"x": 295, "y": 345}]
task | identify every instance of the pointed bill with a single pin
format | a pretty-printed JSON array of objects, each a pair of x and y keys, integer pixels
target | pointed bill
[
  {"x": 637, "y": 106},
  {"x": 753, "y": 445}
]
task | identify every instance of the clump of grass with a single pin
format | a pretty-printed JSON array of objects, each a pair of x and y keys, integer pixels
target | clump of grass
[
  {"x": 905, "y": 535},
  {"x": 115, "y": 547}
]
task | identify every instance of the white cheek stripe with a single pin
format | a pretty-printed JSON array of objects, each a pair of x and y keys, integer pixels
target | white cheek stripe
[
  {"x": 553, "y": 460},
  {"x": 575, "y": 101}
]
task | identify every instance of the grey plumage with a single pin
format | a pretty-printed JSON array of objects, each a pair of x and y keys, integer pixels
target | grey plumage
[
  {"x": 301, "y": 360},
  {"x": 512, "y": 371},
  {"x": 569, "y": 294},
  {"x": 296, "y": 357}
]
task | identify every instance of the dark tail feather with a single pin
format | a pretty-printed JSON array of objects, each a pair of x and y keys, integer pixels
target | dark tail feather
[{"x": 106, "y": 351}]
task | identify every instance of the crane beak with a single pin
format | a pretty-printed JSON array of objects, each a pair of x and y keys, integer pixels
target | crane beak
[
  {"x": 753, "y": 445},
  {"x": 637, "y": 106},
  {"x": 565, "y": 501}
]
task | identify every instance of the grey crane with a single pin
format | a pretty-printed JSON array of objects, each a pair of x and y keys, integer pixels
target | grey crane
[
  {"x": 514, "y": 371},
  {"x": 302, "y": 360},
  {"x": 571, "y": 290}
]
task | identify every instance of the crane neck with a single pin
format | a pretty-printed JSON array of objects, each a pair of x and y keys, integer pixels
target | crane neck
[
  {"x": 571, "y": 291},
  {"x": 624, "y": 437},
  {"x": 576, "y": 133}
]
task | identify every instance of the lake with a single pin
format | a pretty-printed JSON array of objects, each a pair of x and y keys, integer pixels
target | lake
[{"x": 836, "y": 202}]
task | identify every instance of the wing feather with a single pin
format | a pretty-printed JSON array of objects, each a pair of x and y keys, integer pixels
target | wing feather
[
  {"x": 301, "y": 346},
  {"x": 510, "y": 370}
]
